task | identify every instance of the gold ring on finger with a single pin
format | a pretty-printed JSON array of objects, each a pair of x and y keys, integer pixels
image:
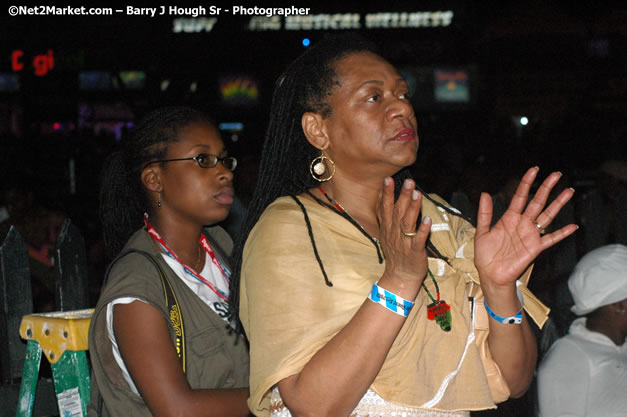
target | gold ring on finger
[
  {"x": 409, "y": 234},
  {"x": 540, "y": 228}
]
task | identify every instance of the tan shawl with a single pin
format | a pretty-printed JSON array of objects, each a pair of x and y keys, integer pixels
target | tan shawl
[{"x": 289, "y": 313}]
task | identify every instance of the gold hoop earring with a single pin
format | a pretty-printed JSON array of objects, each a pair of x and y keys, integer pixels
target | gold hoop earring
[{"x": 318, "y": 168}]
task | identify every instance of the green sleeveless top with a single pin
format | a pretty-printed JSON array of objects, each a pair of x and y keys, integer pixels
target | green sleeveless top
[{"x": 217, "y": 357}]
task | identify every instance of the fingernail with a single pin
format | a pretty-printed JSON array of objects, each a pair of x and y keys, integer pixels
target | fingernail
[
  {"x": 414, "y": 195},
  {"x": 560, "y": 172},
  {"x": 572, "y": 189},
  {"x": 407, "y": 184},
  {"x": 426, "y": 220},
  {"x": 387, "y": 181},
  {"x": 537, "y": 168}
]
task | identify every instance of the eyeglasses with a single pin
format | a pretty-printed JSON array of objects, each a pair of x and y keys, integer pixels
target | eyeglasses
[{"x": 204, "y": 160}]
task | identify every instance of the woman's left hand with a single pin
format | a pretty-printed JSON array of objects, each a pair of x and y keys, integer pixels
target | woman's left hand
[{"x": 503, "y": 252}]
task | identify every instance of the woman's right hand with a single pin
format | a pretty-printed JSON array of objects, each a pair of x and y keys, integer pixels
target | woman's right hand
[{"x": 406, "y": 261}]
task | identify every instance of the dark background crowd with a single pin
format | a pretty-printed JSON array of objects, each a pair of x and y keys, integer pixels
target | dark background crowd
[{"x": 529, "y": 83}]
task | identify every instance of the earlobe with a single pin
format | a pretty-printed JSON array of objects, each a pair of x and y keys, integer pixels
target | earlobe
[{"x": 314, "y": 130}]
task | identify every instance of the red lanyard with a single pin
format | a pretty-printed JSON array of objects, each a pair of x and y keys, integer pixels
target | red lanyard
[{"x": 190, "y": 271}]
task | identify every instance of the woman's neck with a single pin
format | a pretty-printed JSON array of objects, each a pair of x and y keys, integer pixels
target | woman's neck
[
  {"x": 359, "y": 199},
  {"x": 182, "y": 238}
]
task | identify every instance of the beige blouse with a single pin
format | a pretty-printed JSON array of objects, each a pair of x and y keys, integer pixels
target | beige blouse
[{"x": 289, "y": 313}]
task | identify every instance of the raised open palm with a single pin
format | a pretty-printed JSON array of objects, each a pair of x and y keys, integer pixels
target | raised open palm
[{"x": 504, "y": 251}]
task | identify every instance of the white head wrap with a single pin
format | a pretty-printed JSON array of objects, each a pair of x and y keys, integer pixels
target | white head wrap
[{"x": 599, "y": 279}]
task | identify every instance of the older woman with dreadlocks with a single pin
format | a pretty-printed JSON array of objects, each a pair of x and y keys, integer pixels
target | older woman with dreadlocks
[{"x": 359, "y": 302}]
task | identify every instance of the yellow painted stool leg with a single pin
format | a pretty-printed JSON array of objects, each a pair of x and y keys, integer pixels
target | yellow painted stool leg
[
  {"x": 62, "y": 337},
  {"x": 28, "y": 389}
]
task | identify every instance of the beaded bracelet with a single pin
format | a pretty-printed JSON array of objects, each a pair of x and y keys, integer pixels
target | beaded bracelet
[
  {"x": 516, "y": 319},
  {"x": 389, "y": 300}
]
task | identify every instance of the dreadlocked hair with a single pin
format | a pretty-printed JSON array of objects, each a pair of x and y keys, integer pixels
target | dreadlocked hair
[
  {"x": 305, "y": 86},
  {"x": 123, "y": 197}
]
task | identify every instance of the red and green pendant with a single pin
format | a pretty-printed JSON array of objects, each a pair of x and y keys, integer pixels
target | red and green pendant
[{"x": 438, "y": 310}]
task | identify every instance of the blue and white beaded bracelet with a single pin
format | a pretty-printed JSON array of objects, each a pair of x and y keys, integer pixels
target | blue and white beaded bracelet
[{"x": 389, "y": 300}]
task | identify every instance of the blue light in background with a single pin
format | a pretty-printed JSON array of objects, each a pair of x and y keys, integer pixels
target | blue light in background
[
  {"x": 306, "y": 42},
  {"x": 232, "y": 126}
]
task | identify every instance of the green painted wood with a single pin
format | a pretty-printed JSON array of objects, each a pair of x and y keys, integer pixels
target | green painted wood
[
  {"x": 28, "y": 389},
  {"x": 72, "y": 383},
  {"x": 16, "y": 300}
]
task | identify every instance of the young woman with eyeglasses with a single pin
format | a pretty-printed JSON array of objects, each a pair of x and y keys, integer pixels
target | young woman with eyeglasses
[{"x": 161, "y": 339}]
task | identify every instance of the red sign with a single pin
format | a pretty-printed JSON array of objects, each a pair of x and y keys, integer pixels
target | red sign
[{"x": 41, "y": 63}]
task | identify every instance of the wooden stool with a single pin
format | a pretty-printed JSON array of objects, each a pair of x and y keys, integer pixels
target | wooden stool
[{"x": 62, "y": 336}]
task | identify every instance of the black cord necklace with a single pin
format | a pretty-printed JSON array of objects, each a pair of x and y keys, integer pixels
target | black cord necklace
[
  {"x": 337, "y": 208},
  {"x": 439, "y": 310}
]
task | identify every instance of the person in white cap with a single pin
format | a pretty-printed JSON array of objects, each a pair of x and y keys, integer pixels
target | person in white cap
[{"x": 585, "y": 372}]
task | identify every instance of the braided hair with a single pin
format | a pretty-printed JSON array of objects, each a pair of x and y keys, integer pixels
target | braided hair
[
  {"x": 123, "y": 197},
  {"x": 305, "y": 86}
]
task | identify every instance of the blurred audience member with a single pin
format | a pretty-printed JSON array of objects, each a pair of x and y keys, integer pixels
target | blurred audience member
[
  {"x": 39, "y": 227},
  {"x": 474, "y": 179},
  {"x": 585, "y": 372},
  {"x": 244, "y": 188},
  {"x": 500, "y": 200},
  {"x": 602, "y": 210}
]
